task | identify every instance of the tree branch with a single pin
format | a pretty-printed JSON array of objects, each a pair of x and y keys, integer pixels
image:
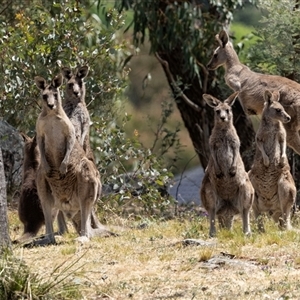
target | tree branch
[{"x": 176, "y": 87}]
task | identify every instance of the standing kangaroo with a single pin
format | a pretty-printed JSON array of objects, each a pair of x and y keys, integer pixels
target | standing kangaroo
[
  {"x": 252, "y": 85},
  {"x": 226, "y": 189},
  {"x": 75, "y": 108},
  {"x": 274, "y": 186},
  {"x": 29, "y": 207},
  {"x": 66, "y": 178}
]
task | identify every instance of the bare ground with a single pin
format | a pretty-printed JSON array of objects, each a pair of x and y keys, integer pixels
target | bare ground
[{"x": 157, "y": 262}]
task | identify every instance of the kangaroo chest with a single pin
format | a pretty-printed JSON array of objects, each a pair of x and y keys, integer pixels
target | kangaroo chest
[{"x": 224, "y": 147}]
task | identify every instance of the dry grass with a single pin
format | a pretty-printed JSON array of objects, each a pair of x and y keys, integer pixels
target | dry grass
[{"x": 153, "y": 263}]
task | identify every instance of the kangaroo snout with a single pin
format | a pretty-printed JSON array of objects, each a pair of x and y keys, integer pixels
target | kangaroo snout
[
  {"x": 288, "y": 119},
  {"x": 51, "y": 106},
  {"x": 77, "y": 93}
]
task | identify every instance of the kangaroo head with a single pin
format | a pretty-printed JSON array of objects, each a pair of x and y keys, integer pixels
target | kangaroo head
[
  {"x": 31, "y": 152},
  {"x": 273, "y": 108},
  {"x": 50, "y": 92},
  {"x": 221, "y": 53},
  {"x": 75, "y": 85},
  {"x": 223, "y": 110}
]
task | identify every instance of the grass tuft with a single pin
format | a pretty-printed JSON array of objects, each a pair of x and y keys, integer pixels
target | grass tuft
[{"x": 18, "y": 282}]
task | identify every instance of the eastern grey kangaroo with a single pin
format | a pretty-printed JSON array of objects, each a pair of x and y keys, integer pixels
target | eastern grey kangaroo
[
  {"x": 66, "y": 178},
  {"x": 75, "y": 106},
  {"x": 275, "y": 190},
  {"x": 252, "y": 85},
  {"x": 29, "y": 207},
  {"x": 226, "y": 189}
]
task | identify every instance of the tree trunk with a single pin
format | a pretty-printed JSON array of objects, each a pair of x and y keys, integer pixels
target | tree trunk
[{"x": 4, "y": 234}]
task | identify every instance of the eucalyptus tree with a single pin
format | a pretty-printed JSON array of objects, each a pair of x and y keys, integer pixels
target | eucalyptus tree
[{"x": 181, "y": 34}]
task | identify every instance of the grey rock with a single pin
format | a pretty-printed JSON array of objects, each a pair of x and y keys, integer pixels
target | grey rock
[{"x": 12, "y": 145}]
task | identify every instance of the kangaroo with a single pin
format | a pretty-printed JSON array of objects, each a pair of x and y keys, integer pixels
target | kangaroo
[
  {"x": 76, "y": 110},
  {"x": 275, "y": 190},
  {"x": 29, "y": 207},
  {"x": 66, "y": 178},
  {"x": 252, "y": 86},
  {"x": 226, "y": 189},
  {"x": 75, "y": 106}
]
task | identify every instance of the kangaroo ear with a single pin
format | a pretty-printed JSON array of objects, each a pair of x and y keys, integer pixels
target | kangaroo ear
[
  {"x": 34, "y": 141},
  {"x": 210, "y": 100},
  {"x": 25, "y": 137},
  {"x": 268, "y": 97},
  {"x": 57, "y": 80},
  {"x": 222, "y": 38},
  {"x": 82, "y": 72},
  {"x": 276, "y": 95},
  {"x": 40, "y": 82},
  {"x": 231, "y": 99},
  {"x": 67, "y": 72}
]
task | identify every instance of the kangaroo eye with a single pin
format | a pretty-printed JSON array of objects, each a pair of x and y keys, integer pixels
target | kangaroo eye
[
  {"x": 45, "y": 97},
  {"x": 227, "y": 111},
  {"x": 215, "y": 55},
  {"x": 278, "y": 109},
  {"x": 218, "y": 111},
  {"x": 55, "y": 96}
]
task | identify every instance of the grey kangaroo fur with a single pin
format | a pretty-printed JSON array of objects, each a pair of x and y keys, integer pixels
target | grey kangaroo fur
[
  {"x": 66, "y": 178},
  {"x": 226, "y": 189},
  {"x": 29, "y": 207},
  {"x": 275, "y": 190},
  {"x": 252, "y": 86},
  {"x": 75, "y": 108}
]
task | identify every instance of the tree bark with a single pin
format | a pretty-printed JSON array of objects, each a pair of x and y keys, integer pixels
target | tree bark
[{"x": 4, "y": 233}]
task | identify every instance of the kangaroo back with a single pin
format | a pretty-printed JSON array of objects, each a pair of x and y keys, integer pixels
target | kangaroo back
[{"x": 252, "y": 86}]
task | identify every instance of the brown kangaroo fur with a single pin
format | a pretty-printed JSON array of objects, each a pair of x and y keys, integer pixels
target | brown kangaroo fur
[
  {"x": 226, "y": 189},
  {"x": 29, "y": 207},
  {"x": 252, "y": 85},
  {"x": 66, "y": 178},
  {"x": 275, "y": 190},
  {"x": 75, "y": 108}
]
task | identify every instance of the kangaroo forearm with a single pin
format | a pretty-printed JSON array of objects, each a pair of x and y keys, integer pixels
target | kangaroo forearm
[
  {"x": 283, "y": 148},
  {"x": 235, "y": 154},
  {"x": 234, "y": 82},
  {"x": 215, "y": 160}
]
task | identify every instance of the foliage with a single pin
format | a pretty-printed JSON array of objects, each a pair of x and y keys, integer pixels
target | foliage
[
  {"x": 278, "y": 45},
  {"x": 41, "y": 40},
  {"x": 132, "y": 175},
  {"x": 44, "y": 37},
  {"x": 187, "y": 25},
  {"x": 17, "y": 282}
]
